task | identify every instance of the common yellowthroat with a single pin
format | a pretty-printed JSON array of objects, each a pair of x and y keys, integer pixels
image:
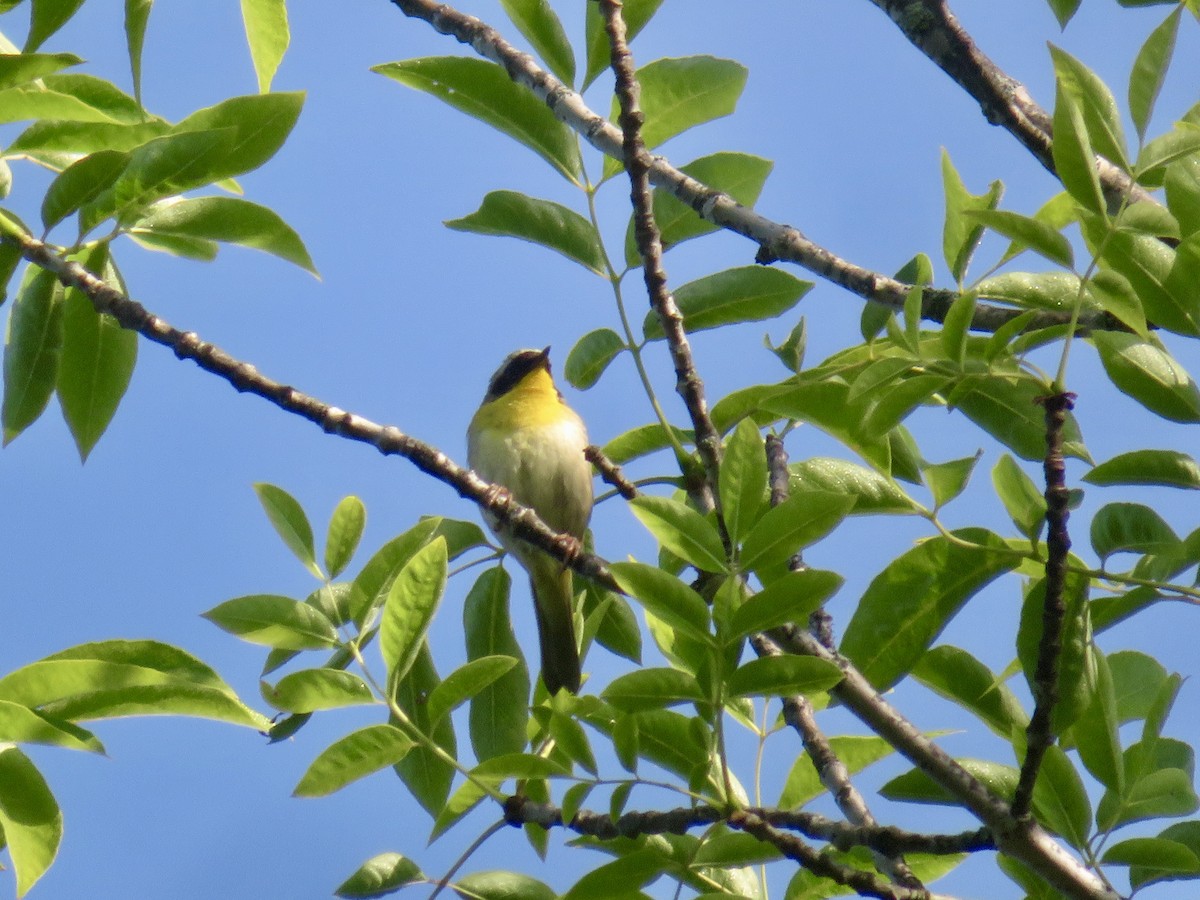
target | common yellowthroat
[{"x": 527, "y": 439}]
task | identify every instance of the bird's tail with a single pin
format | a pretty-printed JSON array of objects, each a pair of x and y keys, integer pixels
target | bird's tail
[{"x": 553, "y": 601}]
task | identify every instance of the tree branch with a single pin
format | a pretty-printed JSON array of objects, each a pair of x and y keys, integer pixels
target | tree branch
[
  {"x": 1021, "y": 838},
  {"x": 798, "y": 711},
  {"x": 388, "y": 439},
  {"x": 934, "y": 30},
  {"x": 1040, "y": 734},
  {"x": 762, "y": 823},
  {"x": 775, "y": 241},
  {"x": 688, "y": 383}
]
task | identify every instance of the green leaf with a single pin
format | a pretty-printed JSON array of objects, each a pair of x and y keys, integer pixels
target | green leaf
[
  {"x": 1074, "y": 159},
  {"x": 188, "y": 248},
  {"x": 956, "y": 325},
  {"x": 267, "y": 34},
  {"x": 537, "y": 21},
  {"x": 98, "y": 357},
  {"x": 554, "y": 226},
  {"x": 291, "y": 524},
  {"x": 590, "y": 356},
  {"x": 1096, "y": 732},
  {"x": 345, "y": 530},
  {"x": 789, "y": 598},
  {"x": 1007, "y": 408},
  {"x": 742, "y": 294},
  {"x": 1137, "y": 679},
  {"x": 873, "y": 492},
  {"x": 666, "y": 597},
  {"x": 791, "y": 351},
  {"x": 618, "y": 630},
  {"x": 1163, "y": 792},
  {"x": 1025, "y": 504},
  {"x": 137, "y": 16},
  {"x": 888, "y": 407},
  {"x": 1183, "y": 193},
  {"x": 958, "y": 676},
  {"x": 1131, "y": 528},
  {"x": 961, "y": 235},
  {"x": 46, "y": 18},
  {"x": 80, "y": 183},
  {"x": 466, "y": 682},
  {"x": 1055, "y": 291},
  {"x": 1063, "y": 10},
  {"x": 502, "y": 886},
  {"x": 1076, "y": 664},
  {"x": 799, "y": 521},
  {"x": 1096, "y": 104},
  {"x": 1185, "y": 833},
  {"x": 21, "y": 68},
  {"x": 740, "y": 175},
  {"x": 653, "y": 689},
  {"x": 640, "y": 441},
  {"x": 629, "y": 872},
  {"x": 484, "y": 91},
  {"x": 1149, "y": 374},
  {"x": 274, "y": 621},
  {"x": 1149, "y": 71},
  {"x": 917, "y": 787},
  {"x": 1167, "y": 857},
  {"x": 1147, "y": 263},
  {"x": 1059, "y": 799},
  {"x": 424, "y": 772},
  {"x": 30, "y": 819},
  {"x": 1163, "y": 150},
  {"x": 355, "y": 756},
  {"x": 261, "y": 124},
  {"x": 54, "y": 138},
  {"x": 636, "y": 13},
  {"x": 949, "y": 479},
  {"x": 908, "y": 604},
  {"x": 743, "y": 480},
  {"x": 680, "y": 93},
  {"x": 372, "y": 582},
  {"x": 309, "y": 690},
  {"x": 230, "y": 220},
  {"x": 1028, "y": 232},
  {"x": 681, "y": 530},
  {"x": 22, "y": 725},
  {"x": 159, "y": 168},
  {"x": 1113, "y": 293},
  {"x": 32, "y": 347},
  {"x": 380, "y": 875},
  {"x": 776, "y": 676},
  {"x": 500, "y": 710},
  {"x": 520, "y": 765},
  {"x": 410, "y": 605},
  {"x": 826, "y": 404}
]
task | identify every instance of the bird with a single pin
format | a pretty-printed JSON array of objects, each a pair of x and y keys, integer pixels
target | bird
[{"x": 526, "y": 439}]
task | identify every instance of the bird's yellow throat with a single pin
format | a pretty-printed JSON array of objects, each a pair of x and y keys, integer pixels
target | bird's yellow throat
[{"x": 534, "y": 401}]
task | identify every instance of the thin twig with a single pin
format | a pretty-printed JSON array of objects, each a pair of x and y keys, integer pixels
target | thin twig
[
  {"x": 1039, "y": 735},
  {"x": 835, "y": 777},
  {"x": 864, "y": 883},
  {"x": 649, "y": 243},
  {"x": 610, "y": 472}
]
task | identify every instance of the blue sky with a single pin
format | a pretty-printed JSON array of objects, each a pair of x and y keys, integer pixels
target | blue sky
[{"x": 405, "y": 326}]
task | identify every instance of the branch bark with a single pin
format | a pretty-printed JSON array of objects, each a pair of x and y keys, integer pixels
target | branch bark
[{"x": 933, "y": 29}]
